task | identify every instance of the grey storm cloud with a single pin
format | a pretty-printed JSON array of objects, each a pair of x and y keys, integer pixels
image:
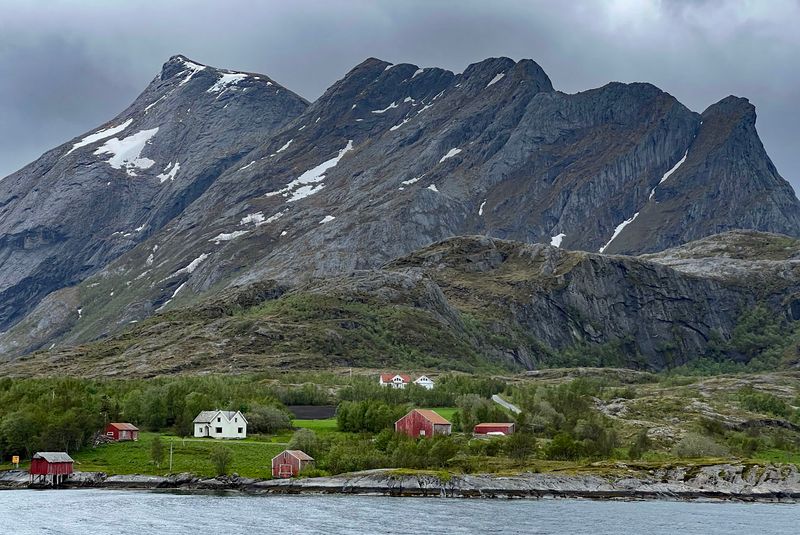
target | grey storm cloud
[{"x": 69, "y": 65}]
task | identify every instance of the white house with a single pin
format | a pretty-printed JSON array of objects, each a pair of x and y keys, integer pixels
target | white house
[
  {"x": 425, "y": 382},
  {"x": 394, "y": 380},
  {"x": 220, "y": 424}
]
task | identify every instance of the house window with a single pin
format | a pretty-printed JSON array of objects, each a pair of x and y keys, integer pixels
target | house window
[
  {"x": 218, "y": 430},
  {"x": 241, "y": 430},
  {"x": 236, "y": 419},
  {"x": 422, "y": 432},
  {"x": 219, "y": 419},
  {"x": 110, "y": 434}
]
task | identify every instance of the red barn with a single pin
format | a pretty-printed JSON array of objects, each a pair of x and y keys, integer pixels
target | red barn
[
  {"x": 423, "y": 423},
  {"x": 50, "y": 467},
  {"x": 289, "y": 463},
  {"x": 494, "y": 428},
  {"x": 122, "y": 431}
]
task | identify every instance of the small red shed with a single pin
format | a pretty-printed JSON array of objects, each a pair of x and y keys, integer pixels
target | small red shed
[
  {"x": 423, "y": 423},
  {"x": 50, "y": 467},
  {"x": 495, "y": 428},
  {"x": 289, "y": 463},
  {"x": 122, "y": 431}
]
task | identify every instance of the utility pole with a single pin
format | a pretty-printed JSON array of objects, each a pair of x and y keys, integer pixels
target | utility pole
[{"x": 170, "y": 456}]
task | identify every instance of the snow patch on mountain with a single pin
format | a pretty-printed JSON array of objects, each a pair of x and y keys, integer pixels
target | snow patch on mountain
[
  {"x": 387, "y": 108},
  {"x": 126, "y": 153},
  {"x": 327, "y": 219},
  {"x": 619, "y": 229},
  {"x": 308, "y": 183},
  {"x": 189, "y": 269},
  {"x": 669, "y": 173},
  {"x": 480, "y": 209},
  {"x": 226, "y": 80},
  {"x": 555, "y": 241},
  {"x": 275, "y": 217},
  {"x": 286, "y": 146},
  {"x": 398, "y": 125},
  {"x": 147, "y": 108},
  {"x": 192, "y": 68},
  {"x": 256, "y": 219},
  {"x": 100, "y": 134},
  {"x": 450, "y": 154},
  {"x": 499, "y": 76},
  {"x": 228, "y": 236},
  {"x": 169, "y": 174}
]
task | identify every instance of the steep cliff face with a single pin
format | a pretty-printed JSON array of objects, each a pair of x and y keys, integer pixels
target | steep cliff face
[
  {"x": 389, "y": 160},
  {"x": 653, "y": 312},
  {"x": 725, "y": 181},
  {"x": 464, "y": 303},
  {"x": 83, "y": 204}
]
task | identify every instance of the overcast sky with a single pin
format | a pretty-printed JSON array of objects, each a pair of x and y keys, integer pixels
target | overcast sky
[{"x": 69, "y": 65}]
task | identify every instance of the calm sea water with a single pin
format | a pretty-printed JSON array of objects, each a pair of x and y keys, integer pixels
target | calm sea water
[{"x": 85, "y": 512}]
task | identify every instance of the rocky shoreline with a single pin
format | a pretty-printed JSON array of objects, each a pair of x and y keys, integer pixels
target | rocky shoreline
[{"x": 770, "y": 483}]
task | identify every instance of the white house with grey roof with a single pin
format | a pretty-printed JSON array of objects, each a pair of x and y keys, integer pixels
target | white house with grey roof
[{"x": 220, "y": 424}]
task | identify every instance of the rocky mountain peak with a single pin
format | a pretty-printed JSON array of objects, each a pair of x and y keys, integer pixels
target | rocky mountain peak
[
  {"x": 238, "y": 179},
  {"x": 731, "y": 106},
  {"x": 90, "y": 200},
  {"x": 491, "y": 71}
]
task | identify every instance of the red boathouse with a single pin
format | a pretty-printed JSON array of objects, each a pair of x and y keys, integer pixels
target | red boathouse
[
  {"x": 423, "y": 423},
  {"x": 494, "y": 428},
  {"x": 122, "y": 431},
  {"x": 289, "y": 463},
  {"x": 50, "y": 467}
]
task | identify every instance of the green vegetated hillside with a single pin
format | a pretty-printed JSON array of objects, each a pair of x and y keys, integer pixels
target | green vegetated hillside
[
  {"x": 589, "y": 420},
  {"x": 477, "y": 303}
]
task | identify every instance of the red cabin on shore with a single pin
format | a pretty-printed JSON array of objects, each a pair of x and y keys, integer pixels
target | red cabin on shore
[
  {"x": 423, "y": 423},
  {"x": 122, "y": 431},
  {"x": 494, "y": 428},
  {"x": 50, "y": 467},
  {"x": 289, "y": 463}
]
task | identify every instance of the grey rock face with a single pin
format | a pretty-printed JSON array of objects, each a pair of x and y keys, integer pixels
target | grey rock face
[
  {"x": 726, "y": 182},
  {"x": 660, "y": 311},
  {"x": 466, "y": 301},
  {"x": 390, "y": 159},
  {"x": 82, "y": 204}
]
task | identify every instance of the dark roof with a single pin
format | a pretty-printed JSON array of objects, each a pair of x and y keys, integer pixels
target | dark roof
[
  {"x": 206, "y": 417},
  {"x": 53, "y": 456},
  {"x": 124, "y": 426}
]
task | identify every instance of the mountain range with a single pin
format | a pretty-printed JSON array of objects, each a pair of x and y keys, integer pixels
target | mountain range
[{"x": 214, "y": 182}]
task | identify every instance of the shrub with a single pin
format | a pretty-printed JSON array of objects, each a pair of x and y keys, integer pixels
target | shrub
[
  {"x": 350, "y": 454},
  {"x": 520, "y": 445},
  {"x": 641, "y": 444},
  {"x": 442, "y": 449},
  {"x": 157, "y": 451},
  {"x": 763, "y": 402},
  {"x": 221, "y": 457},
  {"x": 305, "y": 440},
  {"x": 563, "y": 447},
  {"x": 694, "y": 445},
  {"x": 369, "y": 416},
  {"x": 265, "y": 419}
]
